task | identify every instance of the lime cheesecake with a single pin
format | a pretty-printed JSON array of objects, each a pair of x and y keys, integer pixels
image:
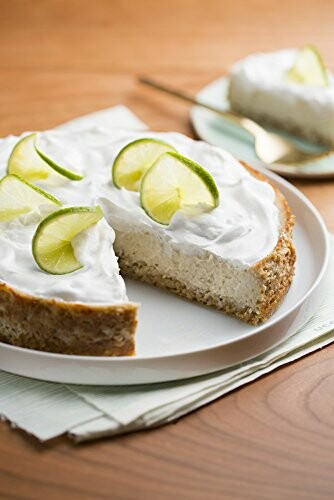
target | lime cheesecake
[
  {"x": 290, "y": 89},
  {"x": 158, "y": 207}
]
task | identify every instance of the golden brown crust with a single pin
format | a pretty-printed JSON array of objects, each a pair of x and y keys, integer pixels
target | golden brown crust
[
  {"x": 69, "y": 328},
  {"x": 275, "y": 271}
]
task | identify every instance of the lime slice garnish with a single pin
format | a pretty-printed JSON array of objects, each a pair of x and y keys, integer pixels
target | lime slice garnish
[
  {"x": 55, "y": 165},
  {"x": 18, "y": 196},
  {"x": 30, "y": 163},
  {"x": 309, "y": 68},
  {"x": 51, "y": 244},
  {"x": 135, "y": 159},
  {"x": 177, "y": 183},
  {"x": 25, "y": 162}
]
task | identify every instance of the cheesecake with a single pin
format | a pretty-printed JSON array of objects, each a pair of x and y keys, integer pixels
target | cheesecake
[{"x": 238, "y": 258}]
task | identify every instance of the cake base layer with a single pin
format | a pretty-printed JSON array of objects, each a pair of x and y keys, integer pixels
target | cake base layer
[
  {"x": 251, "y": 295},
  {"x": 68, "y": 328}
]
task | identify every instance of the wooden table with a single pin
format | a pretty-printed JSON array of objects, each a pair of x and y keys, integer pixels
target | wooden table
[{"x": 273, "y": 439}]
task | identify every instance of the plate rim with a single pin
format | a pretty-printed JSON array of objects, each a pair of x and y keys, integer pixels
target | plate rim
[
  {"x": 281, "y": 169},
  {"x": 270, "y": 323}
]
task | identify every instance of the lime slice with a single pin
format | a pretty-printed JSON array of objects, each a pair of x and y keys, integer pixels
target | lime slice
[
  {"x": 177, "y": 183},
  {"x": 17, "y": 197},
  {"x": 27, "y": 161},
  {"x": 51, "y": 244},
  {"x": 55, "y": 165},
  {"x": 134, "y": 160},
  {"x": 309, "y": 68}
]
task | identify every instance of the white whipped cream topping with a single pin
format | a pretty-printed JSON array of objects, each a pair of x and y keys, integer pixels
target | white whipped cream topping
[
  {"x": 98, "y": 281},
  {"x": 259, "y": 85},
  {"x": 243, "y": 229}
]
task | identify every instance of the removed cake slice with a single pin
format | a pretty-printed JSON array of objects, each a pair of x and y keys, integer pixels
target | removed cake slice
[{"x": 290, "y": 89}]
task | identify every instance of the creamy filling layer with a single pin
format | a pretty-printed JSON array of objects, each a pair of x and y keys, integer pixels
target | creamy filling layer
[{"x": 242, "y": 230}]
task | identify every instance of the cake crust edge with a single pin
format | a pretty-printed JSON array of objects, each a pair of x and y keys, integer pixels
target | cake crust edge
[
  {"x": 63, "y": 327},
  {"x": 276, "y": 270}
]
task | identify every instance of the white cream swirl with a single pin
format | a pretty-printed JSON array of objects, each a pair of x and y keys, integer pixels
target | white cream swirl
[{"x": 242, "y": 229}]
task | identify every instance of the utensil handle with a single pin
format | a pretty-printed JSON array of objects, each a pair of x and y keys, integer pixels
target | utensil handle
[
  {"x": 243, "y": 122},
  {"x": 176, "y": 93}
]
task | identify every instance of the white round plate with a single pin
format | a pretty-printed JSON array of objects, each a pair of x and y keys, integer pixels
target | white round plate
[
  {"x": 177, "y": 339},
  {"x": 217, "y": 131}
]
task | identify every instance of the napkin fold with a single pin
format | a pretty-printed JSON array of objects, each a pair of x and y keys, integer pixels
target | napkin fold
[{"x": 47, "y": 410}]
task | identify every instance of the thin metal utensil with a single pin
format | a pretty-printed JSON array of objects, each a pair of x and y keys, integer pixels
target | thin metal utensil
[{"x": 269, "y": 147}]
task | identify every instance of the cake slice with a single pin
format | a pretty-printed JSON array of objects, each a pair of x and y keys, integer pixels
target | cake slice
[{"x": 266, "y": 88}]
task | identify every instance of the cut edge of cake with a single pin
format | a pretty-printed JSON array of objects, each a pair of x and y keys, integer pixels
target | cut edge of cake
[{"x": 252, "y": 295}]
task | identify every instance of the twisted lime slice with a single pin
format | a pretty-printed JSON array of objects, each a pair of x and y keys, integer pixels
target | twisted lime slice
[
  {"x": 55, "y": 165},
  {"x": 30, "y": 163},
  {"x": 18, "y": 196},
  {"x": 309, "y": 68},
  {"x": 134, "y": 160},
  {"x": 51, "y": 245},
  {"x": 176, "y": 183}
]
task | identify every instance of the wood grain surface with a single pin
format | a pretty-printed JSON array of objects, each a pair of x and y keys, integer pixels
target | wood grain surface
[{"x": 273, "y": 439}]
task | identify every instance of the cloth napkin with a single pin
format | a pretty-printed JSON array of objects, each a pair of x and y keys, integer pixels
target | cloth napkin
[{"x": 47, "y": 410}]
